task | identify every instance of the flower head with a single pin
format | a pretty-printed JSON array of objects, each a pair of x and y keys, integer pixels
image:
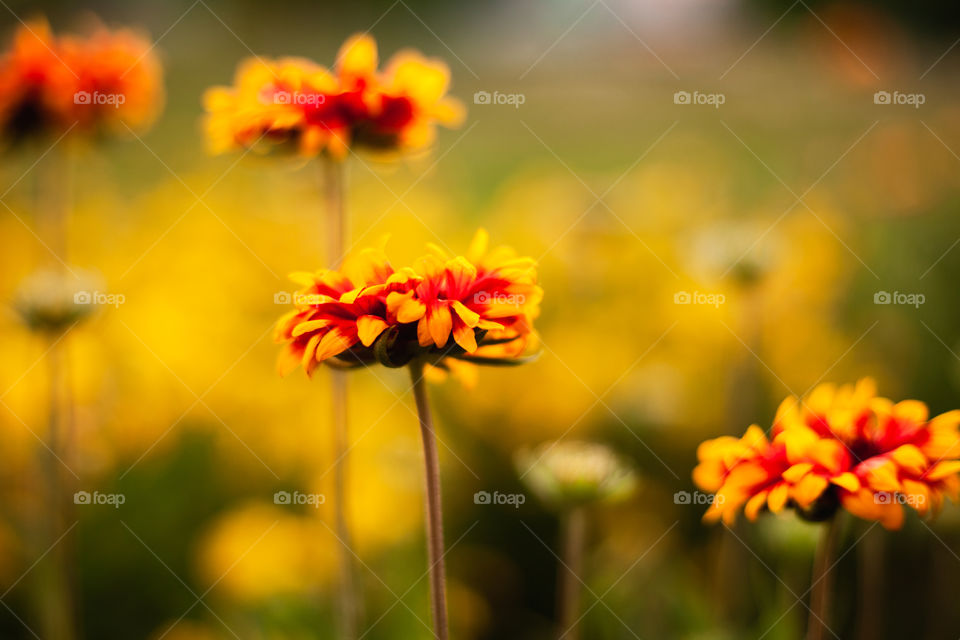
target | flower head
[
  {"x": 571, "y": 473},
  {"x": 838, "y": 447},
  {"x": 51, "y": 300},
  {"x": 295, "y": 105},
  {"x": 118, "y": 83},
  {"x": 35, "y": 84},
  {"x": 50, "y": 85},
  {"x": 478, "y": 310}
]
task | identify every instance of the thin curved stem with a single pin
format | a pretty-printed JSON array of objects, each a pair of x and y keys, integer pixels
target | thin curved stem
[
  {"x": 821, "y": 589},
  {"x": 437, "y": 571},
  {"x": 573, "y": 536},
  {"x": 335, "y": 235}
]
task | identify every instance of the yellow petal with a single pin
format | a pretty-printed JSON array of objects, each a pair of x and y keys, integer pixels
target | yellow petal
[
  {"x": 470, "y": 318},
  {"x": 796, "y": 473},
  {"x": 778, "y": 498},
  {"x": 358, "y": 56},
  {"x": 369, "y": 329},
  {"x": 847, "y": 480}
]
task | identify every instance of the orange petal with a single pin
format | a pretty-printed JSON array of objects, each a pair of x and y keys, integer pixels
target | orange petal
[
  {"x": 465, "y": 337},
  {"x": 440, "y": 323}
]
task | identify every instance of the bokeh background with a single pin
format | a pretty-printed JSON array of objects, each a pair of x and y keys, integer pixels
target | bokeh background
[{"x": 797, "y": 200}]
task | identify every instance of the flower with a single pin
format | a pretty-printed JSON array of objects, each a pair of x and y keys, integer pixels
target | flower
[
  {"x": 571, "y": 473},
  {"x": 35, "y": 84},
  {"x": 50, "y": 300},
  {"x": 297, "y": 106},
  {"x": 119, "y": 80},
  {"x": 50, "y": 85},
  {"x": 478, "y": 309},
  {"x": 840, "y": 447}
]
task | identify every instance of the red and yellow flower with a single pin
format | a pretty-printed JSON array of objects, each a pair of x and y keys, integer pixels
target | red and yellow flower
[
  {"x": 296, "y": 105},
  {"x": 94, "y": 83},
  {"x": 475, "y": 308},
  {"x": 840, "y": 447}
]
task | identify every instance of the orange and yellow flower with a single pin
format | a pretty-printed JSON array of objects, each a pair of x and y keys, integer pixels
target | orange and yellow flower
[
  {"x": 295, "y": 105},
  {"x": 477, "y": 308},
  {"x": 106, "y": 81},
  {"x": 839, "y": 447},
  {"x": 118, "y": 83}
]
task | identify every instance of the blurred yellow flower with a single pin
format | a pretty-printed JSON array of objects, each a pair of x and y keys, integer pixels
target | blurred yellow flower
[{"x": 259, "y": 551}]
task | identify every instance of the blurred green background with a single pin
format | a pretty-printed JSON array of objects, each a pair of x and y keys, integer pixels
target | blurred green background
[{"x": 798, "y": 199}]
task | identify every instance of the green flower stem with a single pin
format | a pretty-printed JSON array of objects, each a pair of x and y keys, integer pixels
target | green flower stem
[
  {"x": 438, "y": 587},
  {"x": 573, "y": 537},
  {"x": 822, "y": 580},
  {"x": 335, "y": 235}
]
